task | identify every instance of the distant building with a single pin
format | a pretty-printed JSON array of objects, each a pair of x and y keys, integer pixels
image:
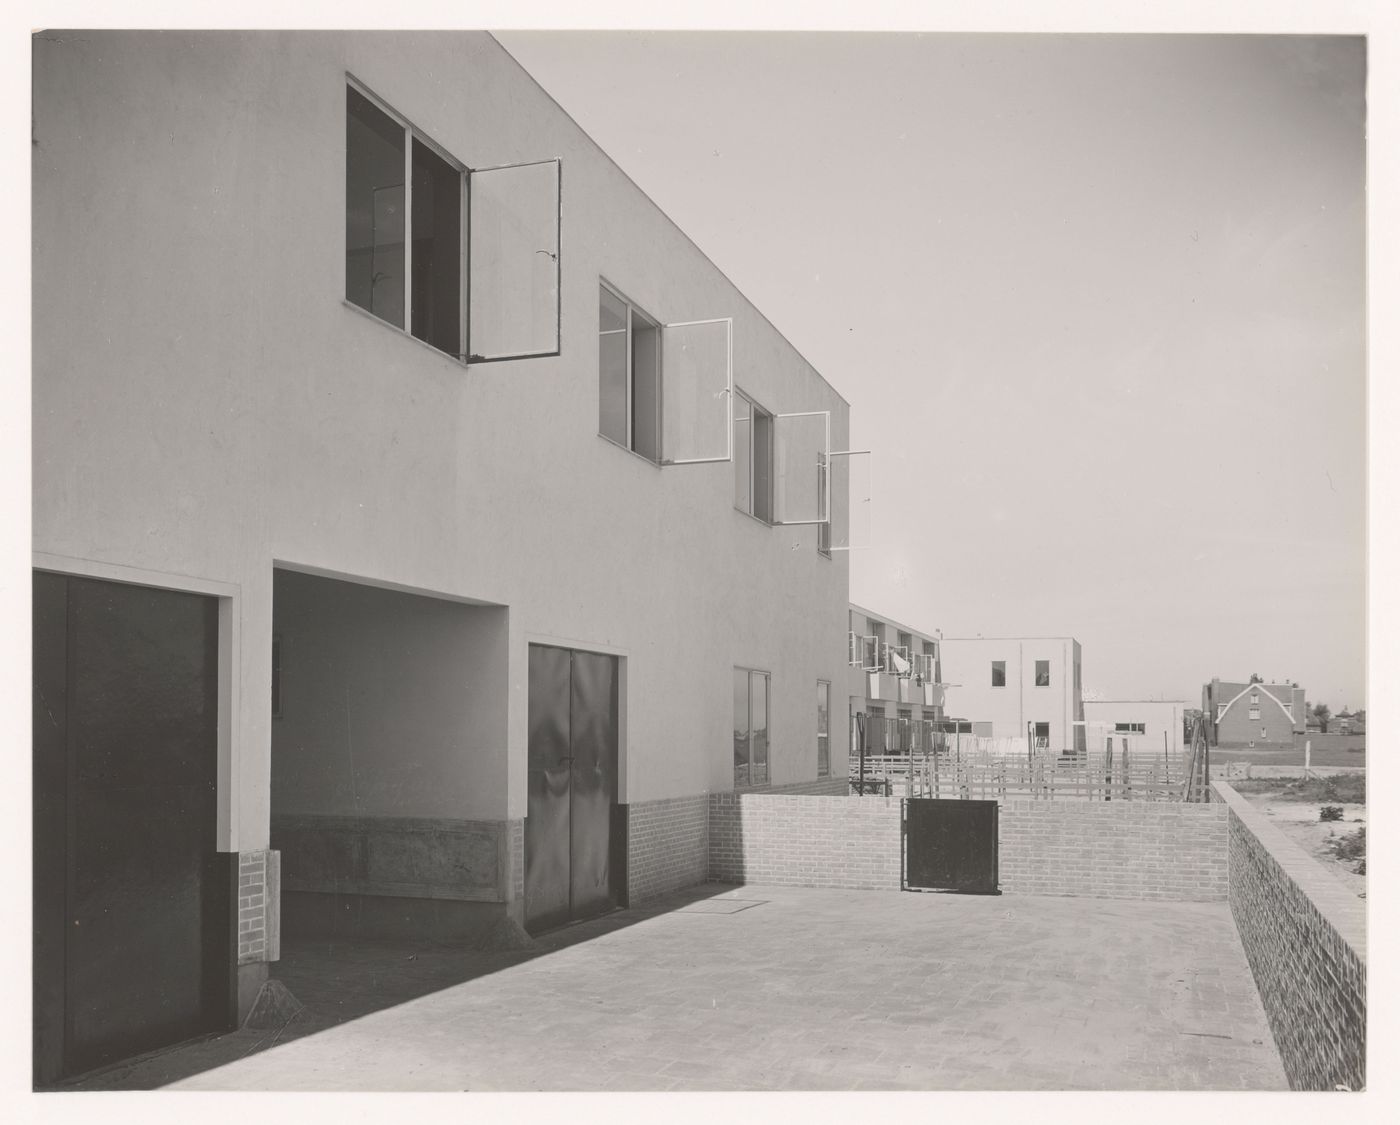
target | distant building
[
  {"x": 1015, "y": 687},
  {"x": 1150, "y": 725},
  {"x": 1256, "y": 715},
  {"x": 895, "y": 681}
]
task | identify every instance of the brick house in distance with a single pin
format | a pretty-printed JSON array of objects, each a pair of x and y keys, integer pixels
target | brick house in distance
[{"x": 1253, "y": 715}]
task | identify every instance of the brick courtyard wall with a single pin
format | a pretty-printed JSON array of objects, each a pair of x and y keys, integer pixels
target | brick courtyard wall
[
  {"x": 1115, "y": 849},
  {"x": 805, "y": 841},
  {"x": 259, "y": 895},
  {"x": 668, "y": 845},
  {"x": 818, "y": 787},
  {"x": 1304, "y": 933}
]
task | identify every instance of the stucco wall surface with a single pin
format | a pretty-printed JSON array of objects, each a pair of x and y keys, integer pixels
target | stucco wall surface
[{"x": 206, "y": 404}]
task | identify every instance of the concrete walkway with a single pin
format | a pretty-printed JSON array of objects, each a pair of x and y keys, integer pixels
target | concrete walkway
[{"x": 762, "y": 988}]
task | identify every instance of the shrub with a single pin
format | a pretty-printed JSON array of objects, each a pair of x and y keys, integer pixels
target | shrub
[
  {"x": 1330, "y": 812},
  {"x": 1350, "y": 846}
]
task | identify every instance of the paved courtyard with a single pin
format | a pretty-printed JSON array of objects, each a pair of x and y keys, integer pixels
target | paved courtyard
[{"x": 764, "y": 988}]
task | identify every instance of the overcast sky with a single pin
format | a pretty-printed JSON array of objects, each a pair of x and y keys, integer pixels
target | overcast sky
[{"x": 1097, "y": 303}]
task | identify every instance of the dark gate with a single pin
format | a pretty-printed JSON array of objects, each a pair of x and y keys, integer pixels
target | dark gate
[
  {"x": 950, "y": 845},
  {"x": 573, "y": 736},
  {"x": 132, "y": 903}
]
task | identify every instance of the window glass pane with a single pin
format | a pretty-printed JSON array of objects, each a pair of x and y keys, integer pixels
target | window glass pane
[
  {"x": 823, "y": 711},
  {"x": 743, "y": 454},
  {"x": 696, "y": 412},
  {"x": 514, "y": 247},
  {"x": 612, "y": 366},
  {"x": 1042, "y": 673},
  {"x": 758, "y": 711},
  {"x": 646, "y": 387},
  {"x": 762, "y": 465},
  {"x": 437, "y": 250},
  {"x": 374, "y": 209},
  {"x": 741, "y": 727},
  {"x": 998, "y": 673}
]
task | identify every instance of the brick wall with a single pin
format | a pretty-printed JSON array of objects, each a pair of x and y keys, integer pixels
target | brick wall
[
  {"x": 818, "y": 787},
  {"x": 807, "y": 841},
  {"x": 667, "y": 845},
  {"x": 1114, "y": 849},
  {"x": 1304, "y": 933},
  {"x": 259, "y": 895}
]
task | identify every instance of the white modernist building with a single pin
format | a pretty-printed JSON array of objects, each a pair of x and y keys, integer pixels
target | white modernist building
[{"x": 405, "y": 501}]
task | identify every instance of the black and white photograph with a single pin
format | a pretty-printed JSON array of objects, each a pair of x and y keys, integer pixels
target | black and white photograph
[{"x": 701, "y": 551}]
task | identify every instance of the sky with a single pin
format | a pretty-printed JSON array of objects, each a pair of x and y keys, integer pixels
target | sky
[{"x": 1097, "y": 303}]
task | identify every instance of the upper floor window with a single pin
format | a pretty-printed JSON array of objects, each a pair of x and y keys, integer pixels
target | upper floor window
[
  {"x": 629, "y": 375},
  {"x": 408, "y": 206},
  {"x": 1042, "y": 673},
  {"x": 998, "y": 673},
  {"x": 753, "y": 458}
]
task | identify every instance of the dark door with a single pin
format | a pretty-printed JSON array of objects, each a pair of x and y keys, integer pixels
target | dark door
[
  {"x": 950, "y": 845},
  {"x": 573, "y": 735},
  {"x": 132, "y": 913}
]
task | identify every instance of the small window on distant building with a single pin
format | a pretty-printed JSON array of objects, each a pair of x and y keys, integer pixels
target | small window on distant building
[
  {"x": 998, "y": 673},
  {"x": 1263, "y": 732},
  {"x": 1042, "y": 735},
  {"x": 1254, "y": 712},
  {"x": 1129, "y": 728},
  {"x": 1042, "y": 673}
]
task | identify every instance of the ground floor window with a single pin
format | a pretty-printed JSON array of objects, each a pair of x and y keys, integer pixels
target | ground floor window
[
  {"x": 823, "y": 728},
  {"x": 1042, "y": 736},
  {"x": 750, "y": 727},
  {"x": 1129, "y": 728}
]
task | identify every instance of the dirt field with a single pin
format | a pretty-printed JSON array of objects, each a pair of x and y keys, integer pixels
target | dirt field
[
  {"x": 1353, "y": 755},
  {"x": 1294, "y": 808}
]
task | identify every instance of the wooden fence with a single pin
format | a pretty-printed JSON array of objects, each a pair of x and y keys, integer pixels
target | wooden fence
[{"x": 1043, "y": 776}]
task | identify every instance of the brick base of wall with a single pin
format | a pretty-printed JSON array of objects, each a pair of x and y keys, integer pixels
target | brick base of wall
[
  {"x": 818, "y": 787},
  {"x": 1305, "y": 936},
  {"x": 259, "y": 906},
  {"x": 1115, "y": 849},
  {"x": 668, "y": 845},
  {"x": 805, "y": 841}
]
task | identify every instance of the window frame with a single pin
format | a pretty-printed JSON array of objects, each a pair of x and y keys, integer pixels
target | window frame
[
  {"x": 998, "y": 666},
  {"x": 413, "y": 133},
  {"x": 767, "y": 677},
  {"x": 1036, "y": 673},
  {"x": 755, "y": 410},
  {"x": 823, "y": 736},
  {"x": 651, "y": 322}
]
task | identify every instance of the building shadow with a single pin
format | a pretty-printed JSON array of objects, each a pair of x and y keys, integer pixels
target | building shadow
[{"x": 343, "y": 979}]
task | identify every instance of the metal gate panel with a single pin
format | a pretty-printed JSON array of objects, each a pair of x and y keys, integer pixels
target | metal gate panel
[
  {"x": 549, "y": 765},
  {"x": 146, "y": 917},
  {"x": 950, "y": 845},
  {"x": 593, "y": 715}
]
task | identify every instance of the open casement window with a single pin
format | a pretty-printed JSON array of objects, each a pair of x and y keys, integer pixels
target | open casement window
[
  {"x": 697, "y": 361},
  {"x": 802, "y": 456},
  {"x": 466, "y": 260},
  {"x": 753, "y": 458},
  {"x": 850, "y": 497},
  {"x": 515, "y": 217}
]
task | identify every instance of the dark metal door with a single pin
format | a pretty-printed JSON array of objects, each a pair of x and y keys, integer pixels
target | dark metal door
[
  {"x": 547, "y": 817},
  {"x": 146, "y": 913},
  {"x": 950, "y": 845},
  {"x": 572, "y": 760},
  {"x": 593, "y": 715}
]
